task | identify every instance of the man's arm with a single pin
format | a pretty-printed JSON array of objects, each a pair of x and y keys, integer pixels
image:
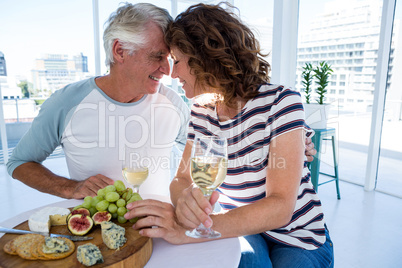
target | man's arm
[{"x": 39, "y": 177}]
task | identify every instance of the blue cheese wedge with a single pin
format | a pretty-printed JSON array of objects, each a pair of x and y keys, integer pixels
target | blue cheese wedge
[
  {"x": 41, "y": 220},
  {"x": 54, "y": 245},
  {"x": 89, "y": 254},
  {"x": 113, "y": 235}
]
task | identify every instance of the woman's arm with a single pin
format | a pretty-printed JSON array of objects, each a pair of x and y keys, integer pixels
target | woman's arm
[
  {"x": 271, "y": 212},
  {"x": 282, "y": 184}
]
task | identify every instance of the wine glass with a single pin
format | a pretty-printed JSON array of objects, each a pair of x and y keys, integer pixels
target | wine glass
[
  {"x": 209, "y": 161},
  {"x": 135, "y": 167}
]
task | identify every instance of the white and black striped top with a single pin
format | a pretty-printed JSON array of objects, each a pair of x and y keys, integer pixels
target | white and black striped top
[{"x": 274, "y": 111}]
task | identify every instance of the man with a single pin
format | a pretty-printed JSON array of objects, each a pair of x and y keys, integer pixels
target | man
[{"x": 95, "y": 119}]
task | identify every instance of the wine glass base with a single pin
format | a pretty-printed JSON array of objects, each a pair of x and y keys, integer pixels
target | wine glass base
[{"x": 204, "y": 233}]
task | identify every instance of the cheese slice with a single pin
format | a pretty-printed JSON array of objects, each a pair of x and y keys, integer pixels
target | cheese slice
[
  {"x": 89, "y": 254},
  {"x": 113, "y": 235},
  {"x": 55, "y": 245},
  {"x": 41, "y": 220}
]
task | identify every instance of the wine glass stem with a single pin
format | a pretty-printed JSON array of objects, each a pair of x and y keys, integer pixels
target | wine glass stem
[
  {"x": 207, "y": 193},
  {"x": 136, "y": 189}
]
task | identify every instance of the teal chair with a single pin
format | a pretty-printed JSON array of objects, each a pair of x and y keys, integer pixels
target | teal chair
[{"x": 314, "y": 166}]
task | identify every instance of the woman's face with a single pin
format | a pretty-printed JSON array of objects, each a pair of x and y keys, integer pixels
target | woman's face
[{"x": 181, "y": 70}]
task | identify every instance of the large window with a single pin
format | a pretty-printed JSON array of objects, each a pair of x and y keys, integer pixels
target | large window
[
  {"x": 347, "y": 37},
  {"x": 46, "y": 44},
  {"x": 258, "y": 15},
  {"x": 350, "y": 33}
]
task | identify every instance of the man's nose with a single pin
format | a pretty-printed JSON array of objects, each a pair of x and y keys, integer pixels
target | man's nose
[{"x": 165, "y": 66}]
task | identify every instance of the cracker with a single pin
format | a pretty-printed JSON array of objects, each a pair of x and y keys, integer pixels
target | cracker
[
  {"x": 8, "y": 248},
  {"x": 21, "y": 240},
  {"x": 24, "y": 249},
  {"x": 34, "y": 249},
  {"x": 56, "y": 256}
]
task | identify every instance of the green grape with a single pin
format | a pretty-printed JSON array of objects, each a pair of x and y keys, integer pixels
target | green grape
[
  {"x": 96, "y": 200},
  {"x": 121, "y": 202},
  {"x": 101, "y": 192},
  {"x": 121, "y": 211},
  {"x": 88, "y": 199},
  {"x": 133, "y": 220},
  {"x": 114, "y": 215},
  {"x": 124, "y": 195},
  {"x": 128, "y": 196},
  {"x": 86, "y": 204},
  {"x": 102, "y": 205},
  {"x": 112, "y": 196},
  {"x": 110, "y": 188},
  {"x": 134, "y": 197},
  {"x": 121, "y": 219},
  {"x": 119, "y": 185},
  {"x": 92, "y": 210},
  {"x": 112, "y": 208}
]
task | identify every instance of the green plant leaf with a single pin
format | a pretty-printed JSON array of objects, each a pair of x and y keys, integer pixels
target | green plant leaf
[
  {"x": 322, "y": 73},
  {"x": 307, "y": 81}
]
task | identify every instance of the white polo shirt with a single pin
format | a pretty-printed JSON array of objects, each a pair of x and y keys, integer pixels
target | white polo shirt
[{"x": 93, "y": 130}]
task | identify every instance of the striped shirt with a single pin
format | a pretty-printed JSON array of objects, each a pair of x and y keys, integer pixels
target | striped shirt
[{"x": 274, "y": 111}]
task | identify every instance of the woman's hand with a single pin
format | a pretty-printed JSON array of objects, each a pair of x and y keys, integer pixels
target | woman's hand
[{"x": 194, "y": 208}]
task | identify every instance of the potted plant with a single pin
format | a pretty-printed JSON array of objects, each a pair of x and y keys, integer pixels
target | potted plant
[{"x": 316, "y": 113}]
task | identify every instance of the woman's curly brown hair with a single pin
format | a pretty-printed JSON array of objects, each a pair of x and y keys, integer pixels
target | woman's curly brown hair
[{"x": 224, "y": 54}]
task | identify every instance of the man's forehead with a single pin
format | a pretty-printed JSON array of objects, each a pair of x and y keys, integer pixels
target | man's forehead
[{"x": 160, "y": 53}]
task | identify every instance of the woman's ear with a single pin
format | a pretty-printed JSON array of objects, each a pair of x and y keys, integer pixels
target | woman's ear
[{"x": 118, "y": 51}]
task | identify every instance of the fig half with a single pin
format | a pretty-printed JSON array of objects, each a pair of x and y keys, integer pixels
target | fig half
[
  {"x": 81, "y": 211},
  {"x": 79, "y": 224},
  {"x": 101, "y": 216}
]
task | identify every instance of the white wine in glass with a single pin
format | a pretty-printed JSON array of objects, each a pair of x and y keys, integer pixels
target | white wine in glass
[
  {"x": 134, "y": 168},
  {"x": 209, "y": 162},
  {"x": 208, "y": 172}
]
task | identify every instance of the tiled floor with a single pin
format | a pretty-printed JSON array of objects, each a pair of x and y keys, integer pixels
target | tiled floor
[{"x": 365, "y": 226}]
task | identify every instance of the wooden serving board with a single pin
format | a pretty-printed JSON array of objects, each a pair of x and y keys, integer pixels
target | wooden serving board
[{"x": 135, "y": 253}]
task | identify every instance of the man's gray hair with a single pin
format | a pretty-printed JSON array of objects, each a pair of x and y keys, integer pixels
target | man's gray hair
[{"x": 128, "y": 25}]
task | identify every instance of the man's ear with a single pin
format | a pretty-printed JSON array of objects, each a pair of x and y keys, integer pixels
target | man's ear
[{"x": 118, "y": 51}]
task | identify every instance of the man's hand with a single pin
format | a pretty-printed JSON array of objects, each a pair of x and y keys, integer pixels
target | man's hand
[
  {"x": 90, "y": 186},
  {"x": 309, "y": 150},
  {"x": 157, "y": 219}
]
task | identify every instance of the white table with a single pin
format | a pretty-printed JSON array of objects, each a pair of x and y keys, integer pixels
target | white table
[{"x": 218, "y": 253}]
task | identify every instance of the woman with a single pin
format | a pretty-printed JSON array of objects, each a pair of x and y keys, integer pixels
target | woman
[{"x": 267, "y": 196}]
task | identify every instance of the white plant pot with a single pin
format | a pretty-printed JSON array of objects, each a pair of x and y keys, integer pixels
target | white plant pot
[{"x": 316, "y": 115}]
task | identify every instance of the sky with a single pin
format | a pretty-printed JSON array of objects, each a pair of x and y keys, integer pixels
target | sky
[{"x": 31, "y": 28}]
